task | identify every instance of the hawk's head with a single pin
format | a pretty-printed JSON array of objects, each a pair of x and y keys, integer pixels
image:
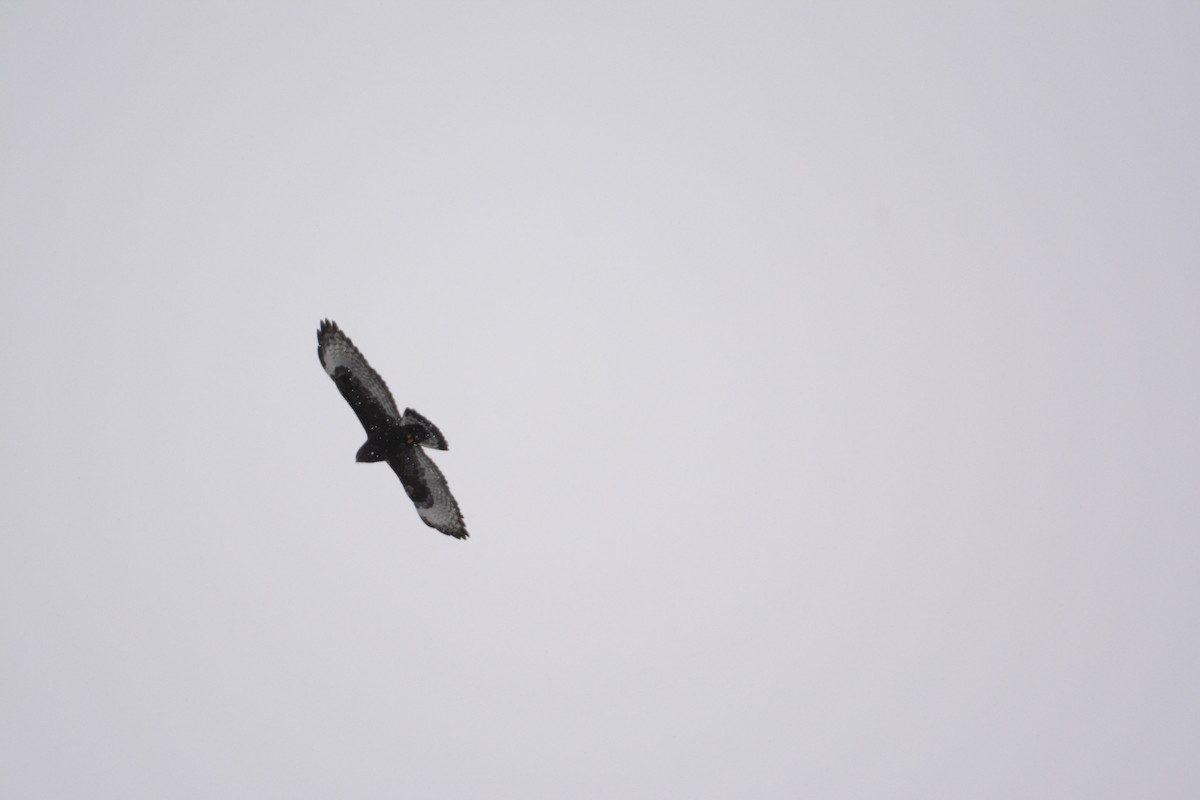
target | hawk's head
[{"x": 370, "y": 451}]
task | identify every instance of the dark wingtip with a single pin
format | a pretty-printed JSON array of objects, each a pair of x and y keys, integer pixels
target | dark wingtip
[
  {"x": 327, "y": 327},
  {"x": 457, "y": 533}
]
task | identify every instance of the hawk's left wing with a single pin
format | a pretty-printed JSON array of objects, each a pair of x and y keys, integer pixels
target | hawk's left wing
[{"x": 427, "y": 488}]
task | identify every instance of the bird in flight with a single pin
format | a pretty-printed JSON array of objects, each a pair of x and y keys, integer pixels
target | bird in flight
[{"x": 399, "y": 439}]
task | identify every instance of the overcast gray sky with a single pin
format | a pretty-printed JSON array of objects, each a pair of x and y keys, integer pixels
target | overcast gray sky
[{"x": 820, "y": 380}]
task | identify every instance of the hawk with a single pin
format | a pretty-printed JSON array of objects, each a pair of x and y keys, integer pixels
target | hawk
[{"x": 399, "y": 439}]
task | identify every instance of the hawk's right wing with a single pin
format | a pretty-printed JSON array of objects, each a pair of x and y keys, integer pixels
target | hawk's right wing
[{"x": 358, "y": 382}]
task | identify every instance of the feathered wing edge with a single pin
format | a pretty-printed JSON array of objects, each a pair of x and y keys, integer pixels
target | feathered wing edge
[
  {"x": 335, "y": 349},
  {"x": 427, "y": 488}
]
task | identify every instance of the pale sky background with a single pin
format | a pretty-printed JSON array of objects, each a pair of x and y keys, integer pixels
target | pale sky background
[{"x": 821, "y": 382}]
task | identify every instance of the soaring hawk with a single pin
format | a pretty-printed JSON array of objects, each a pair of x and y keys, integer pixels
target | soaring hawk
[{"x": 399, "y": 439}]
